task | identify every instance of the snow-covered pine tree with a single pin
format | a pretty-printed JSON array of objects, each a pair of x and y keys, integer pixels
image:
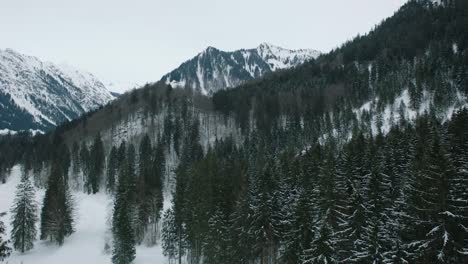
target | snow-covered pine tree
[
  {"x": 378, "y": 188},
  {"x": 329, "y": 214},
  {"x": 85, "y": 164},
  {"x": 112, "y": 170},
  {"x": 156, "y": 183},
  {"x": 124, "y": 243},
  {"x": 355, "y": 228},
  {"x": 76, "y": 165},
  {"x": 297, "y": 233},
  {"x": 96, "y": 165},
  {"x": 169, "y": 235},
  {"x": 344, "y": 189},
  {"x": 57, "y": 208},
  {"x": 123, "y": 251},
  {"x": 145, "y": 173},
  {"x": 322, "y": 250},
  {"x": 240, "y": 221},
  {"x": 217, "y": 241},
  {"x": 457, "y": 204},
  {"x": 434, "y": 232},
  {"x": 24, "y": 216},
  {"x": 400, "y": 149},
  {"x": 262, "y": 227},
  {"x": 5, "y": 249}
]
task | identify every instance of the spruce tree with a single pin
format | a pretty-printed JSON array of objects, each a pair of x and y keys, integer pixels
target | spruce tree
[
  {"x": 434, "y": 224},
  {"x": 170, "y": 236},
  {"x": 24, "y": 216},
  {"x": 217, "y": 242},
  {"x": 377, "y": 199},
  {"x": 155, "y": 192},
  {"x": 76, "y": 161},
  {"x": 57, "y": 208},
  {"x": 112, "y": 170},
  {"x": 96, "y": 165},
  {"x": 262, "y": 228},
  {"x": 354, "y": 230},
  {"x": 298, "y": 234},
  {"x": 457, "y": 203},
  {"x": 123, "y": 251},
  {"x": 144, "y": 188},
  {"x": 5, "y": 250},
  {"x": 322, "y": 250},
  {"x": 85, "y": 164}
]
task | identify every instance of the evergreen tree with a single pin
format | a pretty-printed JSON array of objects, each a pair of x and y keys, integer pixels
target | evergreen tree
[
  {"x": 129, "y": 171},
  {"x": 112, "y": 170},
  {"x": 96, "y": 165},
  {"x": 377, "y": 199},
  {"x": 57, "y": 208},
  {"x": 155, "y": 192},
  {"x": 242, "y": 240},
  {"x": 24, "y": 216},
  {"x": 217, "y": 242},
  {"x": 354, "y": 230},
  {"x": 171, "y": 246},
  {"x": 85, "y": 163},
  {"x": 436, "y": 228},
  {"x": 76, "y": 161},
  {"x": 298, "y": 234},
  {"x": 323, "y": 250},
  {"x": 144, "y": 188},
  {"x": 5, "y": 250},
  {"x": 122, "y": 223},
  {"x": 262, "y": 228},
  {"x": 457, "y": 200}
]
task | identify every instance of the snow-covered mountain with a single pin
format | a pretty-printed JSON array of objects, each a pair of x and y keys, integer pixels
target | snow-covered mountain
[
  {"x": 36, "y": 95},
  {"x": 213, "y": 69}
]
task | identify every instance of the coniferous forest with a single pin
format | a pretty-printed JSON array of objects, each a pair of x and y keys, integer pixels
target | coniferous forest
[{"x": 358, "y": 156}]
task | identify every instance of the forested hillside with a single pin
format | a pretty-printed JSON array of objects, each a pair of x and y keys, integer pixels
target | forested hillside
[{"x": 359, "y": 156}]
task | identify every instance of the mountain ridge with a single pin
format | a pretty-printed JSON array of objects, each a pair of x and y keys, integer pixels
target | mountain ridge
[
  {"x": 213, "y": 69},
  {"x": 39, "y": 95}
]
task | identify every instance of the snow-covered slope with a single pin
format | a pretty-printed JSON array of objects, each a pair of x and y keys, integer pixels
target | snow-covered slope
[
  {"x": 213, "y": 69},
  {"x": 280, "y": 58},
  {"x": 40, "y": 95},
  {"x": 121, "y": 87},
  {"x": 86, "y": 245}
]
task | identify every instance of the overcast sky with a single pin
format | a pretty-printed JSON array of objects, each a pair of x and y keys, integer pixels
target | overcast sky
[{"x": 138, "y": 41}]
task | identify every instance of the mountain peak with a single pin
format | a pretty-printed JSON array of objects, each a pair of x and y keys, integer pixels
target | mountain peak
[
  {"x": 267, "y": 45},
  {"x": 222, "y": 69},
  {"x": 42, "y": 94},
  {"x": 209, "y": 49}
]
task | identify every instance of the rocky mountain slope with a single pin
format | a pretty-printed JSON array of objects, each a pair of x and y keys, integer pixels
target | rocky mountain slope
[
  {"x": 214, "y": 69},
  {"x": 36, "y": 95}
]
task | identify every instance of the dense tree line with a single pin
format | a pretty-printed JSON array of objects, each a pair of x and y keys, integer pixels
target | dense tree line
[
  {"x": 138, "y": 197},
  {"x": 381, "y": 64},
  {"x": 398, "y": 198}
]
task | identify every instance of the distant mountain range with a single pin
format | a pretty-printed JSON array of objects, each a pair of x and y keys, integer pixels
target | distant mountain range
[
  {"x": 36, "y": 95},
  {"x": 214, "y": 69}
]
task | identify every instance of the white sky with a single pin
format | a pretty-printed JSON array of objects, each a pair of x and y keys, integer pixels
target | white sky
[{"x": 138, "y": 41}]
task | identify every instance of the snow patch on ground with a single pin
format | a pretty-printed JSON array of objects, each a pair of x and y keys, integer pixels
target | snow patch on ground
[
  {"x": 7, "y": 131},
  {"x": 86, "y": 245},
  {"x": 391, "y": 114}
]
